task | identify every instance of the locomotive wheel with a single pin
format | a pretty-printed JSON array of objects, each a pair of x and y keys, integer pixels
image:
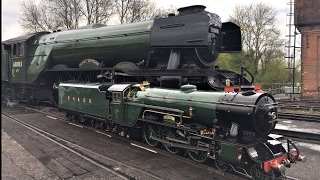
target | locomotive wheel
[
  {"x": 94, "y": 124},
  {"x": 68, "y": 116},
  {"x": 102, "y": 125},
  {"x": 170, "y": 132},
  {"x": 222, "y": 166},
  {"x": 108, "y": 127},
  {"x": 54, "y": 94},
  {"x": 87, "y": 77},
  {"x": 151, "y": 130},
  {"x": 258, "y": 174},
  {"x": 75, "y": 118},
  {"x": 198, "y": 156}
]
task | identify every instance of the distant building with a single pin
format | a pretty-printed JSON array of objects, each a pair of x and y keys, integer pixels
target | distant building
[{"x": 307, "y": 21}]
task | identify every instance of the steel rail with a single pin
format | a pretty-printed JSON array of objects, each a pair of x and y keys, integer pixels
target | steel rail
[
  {"x": 300, "y": 117},
  {"x": 208, "y": 167},
  {"x": 71, "y": 147},
  {"x": 297, "y": 134}
]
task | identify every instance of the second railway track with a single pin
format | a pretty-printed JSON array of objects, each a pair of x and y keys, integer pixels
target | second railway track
[{"x": 300, "y": 117}]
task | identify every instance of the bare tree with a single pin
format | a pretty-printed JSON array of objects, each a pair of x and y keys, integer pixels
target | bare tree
[
  {"x": 67, "y": 11},
  {"x": 98, "y": 11},
  {"x": 260, "y": 37},
  {"x": 51, "y": 14},
  {"x": 122, "y": 7},
  {"x": 130, "y": 11},
  {"x": 36, "y": 18},
  {"x": 163, "y": 13}
]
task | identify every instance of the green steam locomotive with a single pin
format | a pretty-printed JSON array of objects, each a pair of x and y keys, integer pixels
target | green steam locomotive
[
  {"x": 168, "y": 52},
  {"x": 232, "y": 128}
]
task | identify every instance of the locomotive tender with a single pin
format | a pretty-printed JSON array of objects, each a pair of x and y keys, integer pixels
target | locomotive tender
[
  {"x": 232, "y": 128},
  {"x": 167, "y": 52}
]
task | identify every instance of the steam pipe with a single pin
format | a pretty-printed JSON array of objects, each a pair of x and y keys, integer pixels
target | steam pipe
[{"x": 243, "y": 68}]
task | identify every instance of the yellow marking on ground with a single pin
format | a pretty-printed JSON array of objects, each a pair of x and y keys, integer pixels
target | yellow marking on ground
[
  {"x": 76, "y": 125},
  {"x": 144, "y": 148},
  {"x": 103, "y": 133},
  {"x": 51, "y": 117}
]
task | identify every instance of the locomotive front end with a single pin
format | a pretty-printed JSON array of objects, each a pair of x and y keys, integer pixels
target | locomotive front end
[{"x": 252, "y": 111}]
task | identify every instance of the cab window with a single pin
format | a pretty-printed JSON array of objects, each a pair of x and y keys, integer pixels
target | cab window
[
  {"x": 14, "y": 49},
  {"x": 18, "y": 49},
  {"x": 21, "y": 49},
  {"x": 116, "y": 96}
]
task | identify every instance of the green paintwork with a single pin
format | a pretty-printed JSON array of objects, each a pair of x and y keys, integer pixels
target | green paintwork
[
  {"x": 121, "y": 112},
  {"x": 18, "y": 72},
  {"x": 229, "y": 152},
  {"x": 133, "y": 112},
  {"x": 126, "y": 65},
  {"x": 39, "y": 62},
  {"x": 79, "y": 99},
  {"x": 204, "y": 103},
  {"x": 117, "y": 108},
  {"x": 103, "y": 43},
  {"x": 4, "y": 64}
]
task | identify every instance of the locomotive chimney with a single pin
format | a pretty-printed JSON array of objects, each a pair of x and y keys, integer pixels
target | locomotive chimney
[{"x": 191, "y": 9}]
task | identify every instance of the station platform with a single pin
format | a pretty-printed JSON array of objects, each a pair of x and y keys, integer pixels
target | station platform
[{"x": 18, "y": 163}]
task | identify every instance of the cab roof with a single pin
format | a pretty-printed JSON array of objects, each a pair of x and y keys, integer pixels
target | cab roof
[{"x": 118, "y": 87}]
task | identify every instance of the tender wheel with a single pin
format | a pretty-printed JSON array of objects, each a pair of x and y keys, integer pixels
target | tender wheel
[
  {"x": 68, "y": 116},
  {"x": 102, "y": 125},
  {"x": 150, "y": 130},
  {"x": 198, "y": 156},
  {"x": 170, "y": 132},
  {"x": 108, "y": 127},
  {"x": 222, "y": 166},
  {"x": 75, "y": 118},
  {"x": 258, "y": 174},
  {"x": 94, "y": 124}
]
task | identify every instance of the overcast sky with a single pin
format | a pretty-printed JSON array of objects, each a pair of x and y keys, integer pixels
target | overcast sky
[{"x": 10, "y": 11}]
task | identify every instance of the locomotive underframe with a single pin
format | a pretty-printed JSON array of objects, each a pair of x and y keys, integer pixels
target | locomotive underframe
[{"x": 227, "y": 152}]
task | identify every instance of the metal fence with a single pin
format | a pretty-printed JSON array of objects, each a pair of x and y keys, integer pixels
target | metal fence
[{"x": 280, "y": 88}]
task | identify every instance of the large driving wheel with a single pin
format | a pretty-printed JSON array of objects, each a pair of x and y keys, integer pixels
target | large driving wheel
[
  {"x": 87, "y": 77},
  {"x": 54, "y": 94},
  {"x": 196, "y": 155},
  {"x": 258, "y": 174},
  {"x": 171, "y": 133},
  {"x": 149, "y": 131}
]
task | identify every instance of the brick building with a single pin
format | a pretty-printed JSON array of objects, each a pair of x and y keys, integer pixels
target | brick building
[{"x": 307, "y": 21}]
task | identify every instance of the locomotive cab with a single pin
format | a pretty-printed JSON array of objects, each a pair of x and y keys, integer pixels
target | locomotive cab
[
  {"x": 119, "y": 94},
  {"x": 15, "y": 60}
]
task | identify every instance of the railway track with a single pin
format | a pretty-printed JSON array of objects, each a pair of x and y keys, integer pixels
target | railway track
[
  {"x": 86, "y": 154},
  {"x": 298, "y": 135},
  {"x": 305, "y": 106},
  {"x": 53, "y": 113},
  {"x": 299, "y": 117}
]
